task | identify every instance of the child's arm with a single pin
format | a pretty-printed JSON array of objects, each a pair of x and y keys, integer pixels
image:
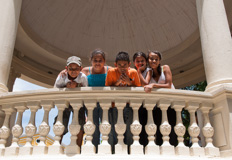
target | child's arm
[
  {"x": 146, "y": 80},
  {"x": 126, "y": 79},
  {"x": 60, "y": 82}
]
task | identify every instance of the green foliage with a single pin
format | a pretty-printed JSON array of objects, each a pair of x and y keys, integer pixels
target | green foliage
[{"x": 185, "y": 114}]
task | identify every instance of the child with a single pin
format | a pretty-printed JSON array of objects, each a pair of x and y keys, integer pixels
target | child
[
  {"x": 72, "y": 79},
  {"x": 122, "y": 75},
  {"x": 140, "y": 62}
]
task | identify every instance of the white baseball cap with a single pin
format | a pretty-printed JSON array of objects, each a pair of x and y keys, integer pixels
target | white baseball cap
[{"x": 74, "y": 59}]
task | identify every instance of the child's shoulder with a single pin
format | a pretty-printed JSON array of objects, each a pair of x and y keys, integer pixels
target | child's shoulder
[{"x": 132, "y": 70}]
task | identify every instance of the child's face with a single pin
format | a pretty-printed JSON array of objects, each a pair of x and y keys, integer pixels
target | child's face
[
  {"x": 122, "y": 66},
  {"x": 153, "y": 60},
  {"x": 73, "y": 70},
  {"x": 98, "y": 62},
  {"x": 140, "y": 62}
]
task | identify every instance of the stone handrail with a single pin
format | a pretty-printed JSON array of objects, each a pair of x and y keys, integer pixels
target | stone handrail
[{"x": 163, "y": 98}]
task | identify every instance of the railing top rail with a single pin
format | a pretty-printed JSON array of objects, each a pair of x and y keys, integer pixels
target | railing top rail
[{"x": 103, "y": 93}]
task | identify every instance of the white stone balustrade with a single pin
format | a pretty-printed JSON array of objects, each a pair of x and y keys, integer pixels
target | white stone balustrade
[
  {"x": 178, "y": 100},
  {"x": 165, "y": 128},
  {"x": 180, "y": 129},
  {"x": 151, "y": 128},
  {"x": 194, "y": 130}
]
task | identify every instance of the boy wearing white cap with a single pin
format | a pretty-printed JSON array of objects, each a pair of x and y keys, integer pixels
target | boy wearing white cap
[{"x": 74, "y": 77}]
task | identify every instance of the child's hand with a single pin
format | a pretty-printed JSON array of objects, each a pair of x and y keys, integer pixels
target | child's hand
[
  {"x": 63, "y": 73},
  {"x": 148, "y": 88},
  {"x": 119, "y": 81},
  {"x": 124, "y": 77}
]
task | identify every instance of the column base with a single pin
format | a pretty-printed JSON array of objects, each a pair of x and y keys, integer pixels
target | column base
[
  {"x": 38, "y": 150},
  {"x": 121, "y": 149},
  {"x": 3, "y": 88},
  {"x": 55, "y": 149},
  {"x": 88, "y": 149},
  {"x": 25, "y": 150},
  {"x": 104, "y": 149},
  {"x": 136, "y": 149},
  {"x": 218, "y": 84},
  {"x": 212, "y": 151},
  {"x": 71, "y": 150},
  {"x": 167, "y": 149},
  {"x": 152, "y": 149},
  {"x": 197, "y": 151},
  {"x": 182, "y": 150},
  {"x": 2, "y": 151},
  {"x": 11, "y": 151}
]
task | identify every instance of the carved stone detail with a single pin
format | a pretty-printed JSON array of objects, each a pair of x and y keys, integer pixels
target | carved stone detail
[
  {"x": 120, "y": 128},
  {"x": 4, "y": 132},
  {"x": 136, "y": 129},
  {"x": 89, "y": 128},
  {"x": 74, "y": 129},
  {"x": 17, "y": 130},
  {"x": 180, "y": 130},
  {"x": 58, "y": 128},
  {"x": 165, "y": 129},
  {"x": 105, "y": 128},
  {"x": 151, "y": 129},
  {"x": 208, "y": 132},
  {"x": 30, "y": 130},
  {"x": 44, "y": 129},
  {"x": 194, "y": 130}
]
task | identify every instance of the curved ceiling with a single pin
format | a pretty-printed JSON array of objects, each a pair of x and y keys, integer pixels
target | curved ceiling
[{"x": 52, "y": 30}]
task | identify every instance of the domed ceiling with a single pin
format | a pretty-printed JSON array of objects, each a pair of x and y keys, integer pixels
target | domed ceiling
[{"x": 52, "y": 30}]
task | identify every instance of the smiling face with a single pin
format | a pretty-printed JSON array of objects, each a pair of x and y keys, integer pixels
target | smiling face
[
  {"x": 73, "y": 70},
  {"x": 122, "y": 66},
  {"x": 98, "y": 62},
  {"x": 140, "y": 62},
  {"x": 153, "y": 60}
]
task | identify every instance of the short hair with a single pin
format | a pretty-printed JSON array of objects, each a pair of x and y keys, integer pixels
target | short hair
[{"x": 122, "y": 56}]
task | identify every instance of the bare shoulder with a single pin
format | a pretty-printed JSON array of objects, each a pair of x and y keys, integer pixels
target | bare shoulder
[{"x": 166, "y": 67}]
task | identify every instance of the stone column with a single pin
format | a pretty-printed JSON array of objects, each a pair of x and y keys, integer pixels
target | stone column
[
  {"x": 151, "y": 128},
  {"x": 89, "y": 128},
  {"x": 58, "y": 128},
  {"x": 194, "y": 130},
  {"x": 9, "y": 11},
  {"x": 17, "y": 130},
  {"x": 208, "y": 131},
  {"x": 180, "y": 129},
  {"x": 136, "y": 128},
  {"x": 120, "y": 128},
  {"x": 74, "y": 128},
  {"x": 165, "y": 129},
  {"x": 30, "y": 129},
  {"x": 105, "y": 127},
  {"x": 216, "y": 42},
  {"x": 44, "y": 128},
  {"x": 5, "y": 129}
]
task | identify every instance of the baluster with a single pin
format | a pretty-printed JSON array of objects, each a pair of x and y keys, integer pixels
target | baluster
[
  {"x": 74, "y": 128},
  {"x": 89, "y": 128},
  {"x": 17, "y": 130},
  {"x": 105, "y": 127},
  {"x": 165, "y": 129},
  {"x": 194, "y": 130},
  {"x": 136, "y": 128},
  {"x": 151, "y": 128},
  {"x": 58, "y": 128},
  {"x": 180, "y": 129},
  {"x": 120, "y": 128},
  {"x": 5, "y": 129},
  {"x": 30, "y": 129},
  {"x": 208, "y": 131},
  {"x": 44, "y": 128}
]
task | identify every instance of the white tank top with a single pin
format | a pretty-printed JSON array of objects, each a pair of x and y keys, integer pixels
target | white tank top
[{"x": 161, "y": 80}]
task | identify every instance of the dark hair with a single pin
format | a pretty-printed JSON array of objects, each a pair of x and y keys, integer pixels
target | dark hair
[
  {"x": 139, "y": 54},
  {"x": 98, "y": 51},
  {"x": 122, "y": 56},
  {"x": 160, "y": 57}
]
